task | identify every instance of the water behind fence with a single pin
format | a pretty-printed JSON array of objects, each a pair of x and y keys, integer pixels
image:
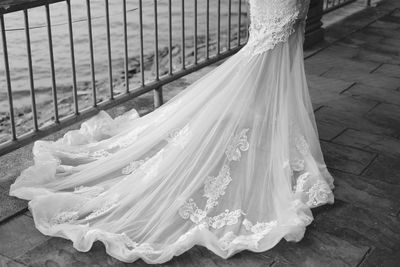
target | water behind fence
[{"x": 65, "y": 60}]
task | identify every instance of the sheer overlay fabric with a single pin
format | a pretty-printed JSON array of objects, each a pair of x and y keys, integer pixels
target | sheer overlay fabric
[{"x": 231, "y": 163}]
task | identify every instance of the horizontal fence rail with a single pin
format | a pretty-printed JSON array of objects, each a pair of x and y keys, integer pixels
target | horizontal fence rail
[{"x": 219, "y": 31}]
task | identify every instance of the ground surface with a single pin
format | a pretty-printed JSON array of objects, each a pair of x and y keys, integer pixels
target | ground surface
[{"x": 354, "y": 80}]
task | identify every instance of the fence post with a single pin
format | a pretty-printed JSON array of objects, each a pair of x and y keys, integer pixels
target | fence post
[{"x": 314, "y": 30}]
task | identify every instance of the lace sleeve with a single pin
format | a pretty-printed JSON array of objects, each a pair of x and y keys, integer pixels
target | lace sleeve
[{"x": 273, "y": 21}]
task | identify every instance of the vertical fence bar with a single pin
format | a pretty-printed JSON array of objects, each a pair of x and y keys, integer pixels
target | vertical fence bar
[
  {"x": 183, "y": 33},
  {"x": 207, "y": 29},
  {"x": 195, "y": 30},
  {"x": 125, "y": 27},
  {"x": 229, "y": 23},
  {"x": 239, "y": 21},
  {"x": 30, "y": 71},
  {"x": 170, "y": 36},
  {"x": 158, "y": 98},
  {"x": 71, "y": 44},
  {"x": 247, "y": 22},
  {"x": 156, "y": 41},
  {"x": 8, "y": 78},
  {"x": 52, "y": 69},
  {"x": 141, "y": 40},
  {"x": 110, "y": 76},
  {"x": 219, "y": 27},
  {"x": 90, "y": 34}
]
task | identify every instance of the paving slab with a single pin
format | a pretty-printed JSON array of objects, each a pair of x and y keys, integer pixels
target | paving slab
[
  {"x": 367, "y": 193},
  {"x": 18, "y": 236},
  {"x": 391, "y": 70},
  {"x": 370, "y": 142},
  {"x": 325, "y": 90},
  {"x": 338, "y": 118},
  {"x": 339, "y": 57},
  {"x": 379, "y": 94},
  {"x": 346, "y": 158},
  {"x": 327, "y": 131},
  {"x": 384, "y": 168},
  {"x": 7, "y": 262},
  {"x": 10, "y": 206},
  {"x": 387, "y": 116},
  {"x": 359, "y": 226},
  {"x": 319, "y": 249},
  {"x": 362, "y": 77},
  {"x": 350, "y": 104}
]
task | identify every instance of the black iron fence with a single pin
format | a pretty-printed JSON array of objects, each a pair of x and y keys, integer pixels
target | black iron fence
[{"x": 204, "y": 50}]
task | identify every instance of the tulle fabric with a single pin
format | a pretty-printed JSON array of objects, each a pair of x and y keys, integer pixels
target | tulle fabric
[{"x": 243, "y": 136}]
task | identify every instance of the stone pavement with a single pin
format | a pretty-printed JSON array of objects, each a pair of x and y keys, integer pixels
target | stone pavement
[{"x": 354, "y": 79}]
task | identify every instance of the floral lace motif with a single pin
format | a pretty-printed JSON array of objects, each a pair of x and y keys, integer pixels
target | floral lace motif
[
  {"x": 272, "y": 22},
  {"x": 133, "y": 166},
  {"x": 180, "y": 137},
  {"x": 89, "y": 191},
  {"x": 102, "y": 210},
  {"x": 214, "y": 188},
  {"x": 238, "y": 143},
  {"x": 259, "y": 231},
  {"x": 73, "y": 214},
  {"x": 64, "y": 217},
  {"x": 314, "y": 187},
  {"x": 319, "y": 193}
]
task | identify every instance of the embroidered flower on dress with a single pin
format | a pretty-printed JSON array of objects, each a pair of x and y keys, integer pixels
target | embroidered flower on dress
[
  {"x": 260, "y": 227},
  {"x": 225, "y": 218},
  {"x": 90, "y": 191},
  {"x": 237, "y": 143},
  {"x": 214, "y": 187},
  {"x": 180, "y": 137},
  {"x": 301, "y": 181},
  {"x": 133, "y": 166},
  {"x": 102, "y": 153},
  {"x": 319, "y": 193},
  {"x": 109, "y": 205},
  {"x": 64, "y": 217},
  {"x": 297, "y": 165},
  {"x": 302, "y": 145}
]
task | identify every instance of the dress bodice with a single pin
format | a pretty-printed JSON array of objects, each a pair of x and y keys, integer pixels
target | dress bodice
[{"x": 273, "y": 21}]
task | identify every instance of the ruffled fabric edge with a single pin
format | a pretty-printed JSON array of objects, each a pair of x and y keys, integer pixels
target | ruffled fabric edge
[{"x": 121, "y": 247}]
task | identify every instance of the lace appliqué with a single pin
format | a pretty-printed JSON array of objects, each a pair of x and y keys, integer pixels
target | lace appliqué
[
  {"x": 238, "y": 143},
  {"x": 109, "y": 205},
  {"x": 318, "y": 194},
  {"x": 259, "y": 231},
  {"x": 316, "y": 189},
  {"x": 88, "y": 191},
  {"x": 133, "y": 166},
  {"x": 73, "y": 214},
  {"x": 272, "y": 22},
  {"x": 180, "y": 137},
  {"x": 64, "y": 217},
  {"x": 214, "y": 188}
]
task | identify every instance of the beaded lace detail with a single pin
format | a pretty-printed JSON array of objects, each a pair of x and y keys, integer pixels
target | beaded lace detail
[
  {"x": 214, "y": 188},
  {"x": 272, "y": 22}
]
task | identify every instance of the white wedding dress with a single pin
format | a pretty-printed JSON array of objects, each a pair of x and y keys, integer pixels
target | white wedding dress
[{"x": 232, "y": 163}]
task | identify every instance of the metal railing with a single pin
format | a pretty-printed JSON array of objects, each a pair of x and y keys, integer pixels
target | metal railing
[{"x": 234, "y": 41}]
